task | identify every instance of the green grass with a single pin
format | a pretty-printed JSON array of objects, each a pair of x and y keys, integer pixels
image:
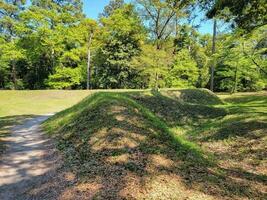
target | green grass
[
  {"x": 201, "y": 149},
  {"x": 17, "y": 106},
  {"x": 238, "y": 141},
  {"x": 37, "y": 102}
]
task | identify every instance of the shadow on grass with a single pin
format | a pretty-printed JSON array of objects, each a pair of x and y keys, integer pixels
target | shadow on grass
[
  {"x": 249, "y": 129},
  {"x": 175, "y": 112},
  {"x": 121, "y": 152},
  {"x": 256, "y": 99}
]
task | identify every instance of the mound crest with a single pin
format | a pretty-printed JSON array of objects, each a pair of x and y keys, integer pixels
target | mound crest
[{"x": 195, "y": 96}]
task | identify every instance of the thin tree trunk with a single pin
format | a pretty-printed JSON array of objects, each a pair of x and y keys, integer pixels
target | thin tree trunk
[
  {"x": 14, "y": 76},
  {"x": 235, "y": 84},
  {"x": 176, "y": 26},
  {"x": 158, "y": 45},
  {"x": 157, "y": 79},
  {"x": 212, "y": 69},
  {"x": 89, "y": 62}
]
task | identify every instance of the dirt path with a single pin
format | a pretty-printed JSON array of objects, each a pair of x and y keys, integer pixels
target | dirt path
[{"x": 29, "y": 161}]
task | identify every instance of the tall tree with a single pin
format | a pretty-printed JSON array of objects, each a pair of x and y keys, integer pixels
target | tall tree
[
  {"x": 255, "y": 48},
  {"x": 236, "y": 71},
  {"x": 161, "y": 16},
  {"x": 90, "y": 31},
  {"x": 121, "y": 37},
  {"x": 47, "y": 25},
  {"x": 9, "y": 24},
  {"x": 207, "y": 5},
  {"x": 246, "y": 14},
  {"x": 72, "y": 70},
  {"x": 212, "y": 68},
  {"x": 184, "y": 72}
]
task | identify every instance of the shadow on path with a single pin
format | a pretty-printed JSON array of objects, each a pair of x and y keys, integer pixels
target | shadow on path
[{"x": 29, "y": 158}]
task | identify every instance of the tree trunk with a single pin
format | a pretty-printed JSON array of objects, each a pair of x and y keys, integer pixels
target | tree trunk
[
  {"x": 157, "y": 84},
  {"x": 158, "y": 45},
  {"x": 89, "y": 62},
  {"x": 14, "y": 76},
  {"x": 213, "y": 51},
  {"x": 235, "y": 80}
]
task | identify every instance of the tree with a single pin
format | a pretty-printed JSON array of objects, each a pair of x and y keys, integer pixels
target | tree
[
  {"x": 65, "y": 78},
  {"x": 199, "y": 47},
  {"x": 153, "y": 66},
  {"x": 74, "y": 61},
  {"x": 212, "y": 68},
  {"x": 51, "y": 44},
  {"x": 11, "y": 54},
  {"x": 201, "y": 54},
  {"x": 246, "y": 14},
  {"x": 111, "y": 7},
  {"x": 184, "y": 72},
  {"x": 236, "y": 72},
  {"x": 49, "y": 25},
  {"x": 161, "y": 17},
  {"x": 88, "y": 28},
  {"x": 121, "y": 37},
  {"x": 255, "y": 48}
]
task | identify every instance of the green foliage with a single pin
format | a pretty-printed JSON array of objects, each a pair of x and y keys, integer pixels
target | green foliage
[
  {"x": 153, "y": 66},
  {"x": 184, "y": 72},
  {"x": 240, "y": 67},
  {"x": 111, "y": 7},
  {"x": 121, "y": 35},
  {"x": 65, "y": 78},
  {"x": 247, "y": 14},
  {"x": 141, "y": 45}
]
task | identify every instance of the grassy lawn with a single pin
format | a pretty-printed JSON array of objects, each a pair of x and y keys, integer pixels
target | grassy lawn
[
  {"x": 16, "y": 106},
  {"x": 178, "y": 144},
  {"x": 37, "y": 101}
]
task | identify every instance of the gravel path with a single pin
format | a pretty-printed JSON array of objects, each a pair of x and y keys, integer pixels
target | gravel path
[{"x": 28, "y": 163}]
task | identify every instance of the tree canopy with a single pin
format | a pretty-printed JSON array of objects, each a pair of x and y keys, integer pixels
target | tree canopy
[{"x": 143, "y": 44}]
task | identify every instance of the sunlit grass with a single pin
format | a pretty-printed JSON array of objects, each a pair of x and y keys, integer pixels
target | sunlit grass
[
  {"x": 38, "y": 101},
  {"x": 17, "y": 106}
]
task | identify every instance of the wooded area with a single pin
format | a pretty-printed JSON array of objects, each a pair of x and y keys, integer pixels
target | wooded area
[{"x": 142, "y": 44}]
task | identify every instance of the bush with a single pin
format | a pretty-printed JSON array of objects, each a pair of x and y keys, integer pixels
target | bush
[{"x": 65, "y": 78}]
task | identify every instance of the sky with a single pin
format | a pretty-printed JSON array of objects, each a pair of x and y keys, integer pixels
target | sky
[{"x": 92, "y": 8}]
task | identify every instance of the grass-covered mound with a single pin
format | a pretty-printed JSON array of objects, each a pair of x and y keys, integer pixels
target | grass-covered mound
[
  {"x": 129, "y": 146},
  {"x": 195, "y": 96}
]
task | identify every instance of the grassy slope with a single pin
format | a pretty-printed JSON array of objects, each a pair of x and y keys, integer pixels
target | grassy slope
[
  {"x": 17, "y": 106},
  {"x": 164, "y": 145}
]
